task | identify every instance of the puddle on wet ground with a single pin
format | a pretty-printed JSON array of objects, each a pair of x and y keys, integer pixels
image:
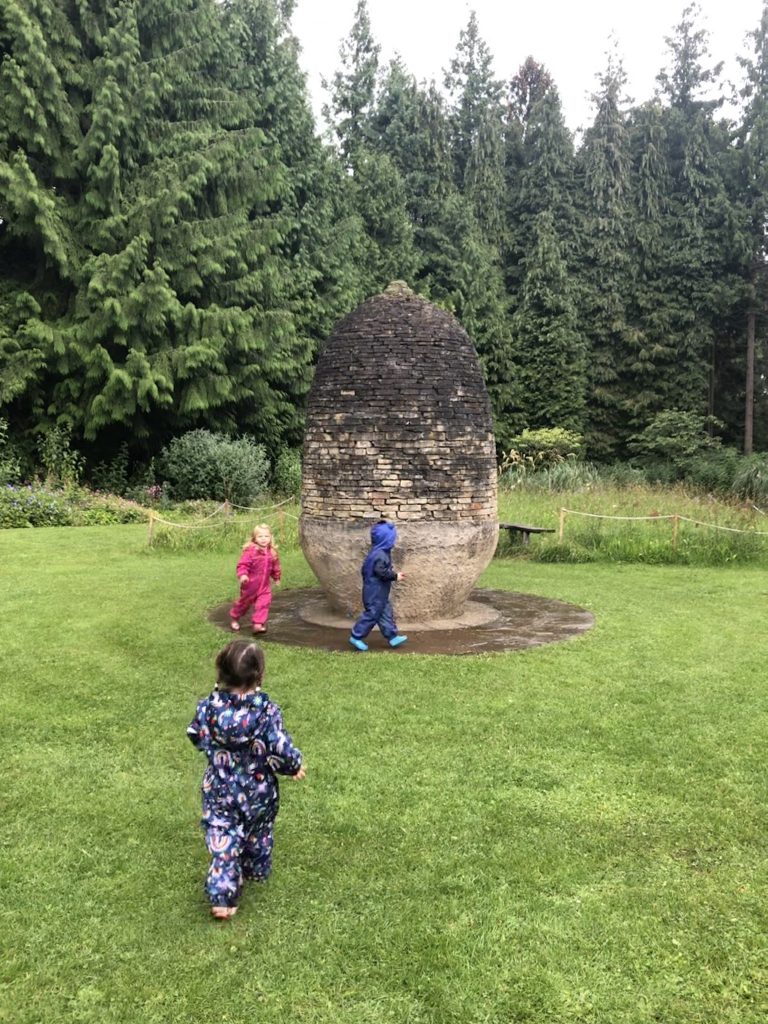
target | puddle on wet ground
[{"x": 524, "y": 621}]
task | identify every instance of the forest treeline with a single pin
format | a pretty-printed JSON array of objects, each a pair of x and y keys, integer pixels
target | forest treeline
[{"x": 176, "y": 239}]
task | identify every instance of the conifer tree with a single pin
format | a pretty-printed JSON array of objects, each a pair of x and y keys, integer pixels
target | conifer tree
[
  {"x": 694, "y": 268},
  {"x": 380, "y": 201},
  {"x": 548, "y": 347},
  {"x": 353, "y": 86},
  {"x": 476, "y": 131},
  {"x": 457, "y": 267},
  {"x": 150, "y": 206},
  {"x": 753, "y": 196},
  {"x": 541, "y": 258},
  {"x": 473, "y": 93},
  {"x": 605, "y": 265}
]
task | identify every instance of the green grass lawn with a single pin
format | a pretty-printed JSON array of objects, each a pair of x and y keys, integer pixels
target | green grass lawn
[{"x": 574, "y": 833}]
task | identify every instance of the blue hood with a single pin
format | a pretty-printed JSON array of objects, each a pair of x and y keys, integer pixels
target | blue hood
[{"x": 383, "y": 538}]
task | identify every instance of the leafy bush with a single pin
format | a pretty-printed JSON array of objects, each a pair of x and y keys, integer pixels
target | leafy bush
[
  {"x": 62, "y": 463},
  {"x": 91, "y": 509},
  {"x": 32, "y": 506},
  {"x": 534, "y": 450},
  {"x": 751, "y": 478},
  {"x": 10, "y": 464},
  {"x": 674, "y": 437},
  {"x": 286, "y": 475},
  {"x": 547, "y": 446},
  {"x": 112, "y": 476},
  {"x": 200, "y": 464},
  {"x": 713, "y": 470}
]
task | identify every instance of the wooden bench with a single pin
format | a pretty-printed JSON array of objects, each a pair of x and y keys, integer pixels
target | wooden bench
[{"x": 526, "y": 531}]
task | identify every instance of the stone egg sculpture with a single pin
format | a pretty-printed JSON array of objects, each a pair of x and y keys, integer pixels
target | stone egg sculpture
[{"x": 399, "y": 427}]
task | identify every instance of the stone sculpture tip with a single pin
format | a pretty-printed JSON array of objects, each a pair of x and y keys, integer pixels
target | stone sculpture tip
[{"x": 398, "y": 290}]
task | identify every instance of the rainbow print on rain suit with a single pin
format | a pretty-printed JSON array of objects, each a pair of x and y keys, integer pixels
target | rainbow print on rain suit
[{"x": 242, "y": 736}]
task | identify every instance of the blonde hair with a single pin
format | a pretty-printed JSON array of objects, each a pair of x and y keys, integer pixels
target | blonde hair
[{"x": 261, "y": 528}]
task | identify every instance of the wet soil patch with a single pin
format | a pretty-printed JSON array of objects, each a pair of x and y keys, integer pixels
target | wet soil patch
[{"x": 523, "y": 621}]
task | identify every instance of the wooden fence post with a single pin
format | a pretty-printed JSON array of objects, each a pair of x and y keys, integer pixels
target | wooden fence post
[
  {"x": 151, "y": 531},
  {"x": 562, "y": 525},
  {"x": 675, "y": 524}
]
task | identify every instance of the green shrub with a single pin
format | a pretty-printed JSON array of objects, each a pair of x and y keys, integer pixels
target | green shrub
[
  {"x": 10, "y": 463},
  {"x": 713, "y": 470},
  {"x": 674, "y": 437},
  {"x": 751, "y": 478},
  {"x": 286, "y": 475},
  {"x": 112, "y": 476},
  {"x": 62, "y": 463},
  {"x": 200, "y": 464},
  {"x": 31, "y": 505},
  {"x": 91, "y": 509},
  {"x": 535, "y": 450},
  {"x": 547, "y": 446}
]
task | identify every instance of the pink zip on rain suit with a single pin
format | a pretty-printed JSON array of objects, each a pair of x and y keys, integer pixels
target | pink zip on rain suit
[{"x": 260, "y": 565}]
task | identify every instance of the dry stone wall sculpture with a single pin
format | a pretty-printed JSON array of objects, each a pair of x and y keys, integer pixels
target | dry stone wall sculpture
[{"x": 399, "y": 427}]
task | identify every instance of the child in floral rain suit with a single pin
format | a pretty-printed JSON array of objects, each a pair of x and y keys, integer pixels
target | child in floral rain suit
[
  {"x": 240, "y": 731},
  {"x": 258, "y": 565}
]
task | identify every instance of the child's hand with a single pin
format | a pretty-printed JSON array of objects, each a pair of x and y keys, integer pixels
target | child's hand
[
  {"x": 243, "y": 578},
  {"x": 300, "y": 774},
  {"x": 400, "y": 576},
  {"x": 277, "y": 583}
]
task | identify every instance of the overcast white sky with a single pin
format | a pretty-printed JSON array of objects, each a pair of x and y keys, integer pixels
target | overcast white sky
[{"x": 568, "y": 36}]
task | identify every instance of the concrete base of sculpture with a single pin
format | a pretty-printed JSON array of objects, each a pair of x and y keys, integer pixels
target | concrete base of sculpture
[
  {"x": 472, "y": 615},
  {"x": 517, "y": 622},
  {"x": 441, "y": 560}
]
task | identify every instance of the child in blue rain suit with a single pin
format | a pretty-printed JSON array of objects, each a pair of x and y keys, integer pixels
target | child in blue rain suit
[
  {"x": 378, "y": 577},
  {"x": 240, "y": 731}
]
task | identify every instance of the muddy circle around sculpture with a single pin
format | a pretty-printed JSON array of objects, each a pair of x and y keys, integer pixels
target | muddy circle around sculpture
[{"x": 513, "y": 622}]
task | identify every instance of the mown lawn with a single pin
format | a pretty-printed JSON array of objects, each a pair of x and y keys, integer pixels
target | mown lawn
[{"x": 574, "y": 833}]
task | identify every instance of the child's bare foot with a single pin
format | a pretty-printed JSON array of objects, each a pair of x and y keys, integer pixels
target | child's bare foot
[
  {"x": 234, "y": 626},
  {"x": 223, "y": 913}
]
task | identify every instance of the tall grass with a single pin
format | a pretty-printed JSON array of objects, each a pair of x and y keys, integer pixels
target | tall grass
[
  {"x": 537, "y": 501},
  {"x": 225, "y": 532},
  {"x": 650, "y": 541}
]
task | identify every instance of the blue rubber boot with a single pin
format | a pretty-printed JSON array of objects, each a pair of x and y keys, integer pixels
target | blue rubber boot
[
  {"x": 397, "y": 640},
  {"x": 358, "y": 643}
]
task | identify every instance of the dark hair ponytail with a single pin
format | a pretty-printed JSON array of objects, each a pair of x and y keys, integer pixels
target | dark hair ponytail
[{"x": 239, "y": 666}]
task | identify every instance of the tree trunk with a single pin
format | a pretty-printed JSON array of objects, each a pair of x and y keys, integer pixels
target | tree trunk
[{"x": 749, "y": 407}]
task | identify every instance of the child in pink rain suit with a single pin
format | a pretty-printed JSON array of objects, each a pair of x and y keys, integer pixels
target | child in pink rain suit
[{"x": 258, "y": 566}]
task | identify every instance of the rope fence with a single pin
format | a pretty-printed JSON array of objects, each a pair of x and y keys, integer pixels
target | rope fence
[
  {"x": 225, "y": 509},
  {"x": 675, "y": 518}
]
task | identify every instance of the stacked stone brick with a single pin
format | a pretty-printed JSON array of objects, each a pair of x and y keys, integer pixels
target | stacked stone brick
[{"x": 398, "y": 419}]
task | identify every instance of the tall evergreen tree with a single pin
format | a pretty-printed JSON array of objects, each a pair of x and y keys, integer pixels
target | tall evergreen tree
[
  {"x": 457, "y": 267},
  {"x": 605, "y": 263},
  {"x": 545, "y": 182},
  {"x": 353, "y": 87},
  {"x": 380, "y": 201},
  {"x": 753, "y": 195},
  {"x": 541, "y": 258},
  {"x": 695, "y": 262},
  {"x": 548, "y": 346},
  {"x": 153, "y": 267},
  {"x": 475, "y": 120},
  {"x": 376, "y": 187}
]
